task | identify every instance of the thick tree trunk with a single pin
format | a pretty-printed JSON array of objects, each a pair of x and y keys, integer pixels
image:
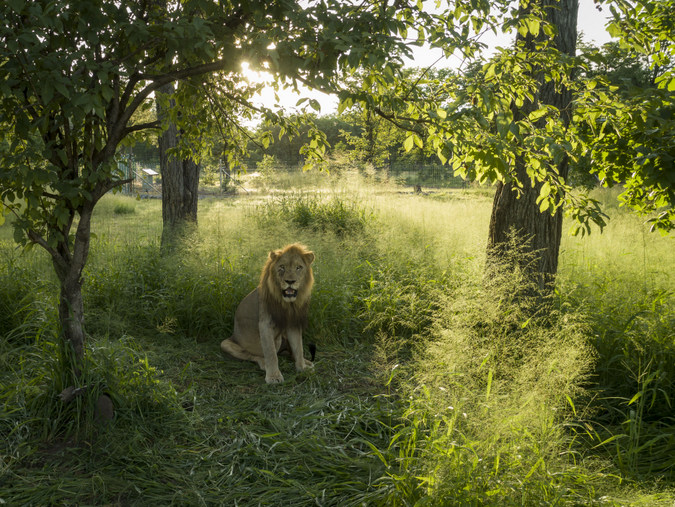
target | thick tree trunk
[
  {"x": 541, "y": 232},
  {"x": 180, "y": 181}
]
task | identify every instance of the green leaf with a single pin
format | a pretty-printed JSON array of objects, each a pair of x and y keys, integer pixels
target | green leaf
[
  {"x": 635, "y": 398},
  {"x": 523, "y": 30},
  {"x": 545, "y": 190},
  {"x": 489, "y": 385},
  {"x": 107, "y": 93},
  {"x": 61, "y": 88},
  {"x": 63, "y": 157},
  {"x": 503, "y": 121},
  {"x": 533, "y": 26},
  {"x": 408, "y": 143},
  {"x": 537, "y": 114},
  {"x": 47, "y": 92}
]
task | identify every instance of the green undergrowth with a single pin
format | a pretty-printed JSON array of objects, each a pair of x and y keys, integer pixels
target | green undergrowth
[
  {"x": 491, "y": 399},
  {"x": 186, "y": 417},
  {"x": 622, "y": 280},
  {"x": 335, "y": 214},
  {"x": 632, "y": 419},
  {"x": 433, "y": 384},
  {"x": 195, "y": 430}
]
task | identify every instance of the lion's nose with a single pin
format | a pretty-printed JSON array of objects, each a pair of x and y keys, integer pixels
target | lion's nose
[{"x": 290, "y": 282}]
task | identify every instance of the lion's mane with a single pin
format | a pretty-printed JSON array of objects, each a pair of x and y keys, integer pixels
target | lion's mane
[{"x": 286, "y": 314}]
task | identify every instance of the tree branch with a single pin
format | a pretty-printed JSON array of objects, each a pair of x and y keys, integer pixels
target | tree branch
[
  {"x": 105, "y": 187},
  {"x": 39, "y": 240},
  {"x": 215, "y": 104},
  {"x": 118, "y": 130},
  {"x": 160, "y": 80},
  {"x": 142, "y": 126}
]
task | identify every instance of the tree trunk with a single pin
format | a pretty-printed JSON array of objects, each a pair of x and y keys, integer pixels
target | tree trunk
[
  {"x": 69, "y": 265},
  {"x": 370, "y": 136},
  {"x": 71, "y": 312},
  {"x": 180, "y": 181},
  {"x": 540, "y": 232}
]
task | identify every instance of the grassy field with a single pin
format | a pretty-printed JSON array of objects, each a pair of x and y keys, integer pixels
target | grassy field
[{"x": 432, "y": 384}]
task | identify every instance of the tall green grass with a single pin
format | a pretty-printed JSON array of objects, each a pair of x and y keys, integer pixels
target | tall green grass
[
  {"x": 623, "y": 280},
  {"x": 311, "y": 211},
  {"x": 491, "y": 395},
  {"x": 432, "y": 385}
]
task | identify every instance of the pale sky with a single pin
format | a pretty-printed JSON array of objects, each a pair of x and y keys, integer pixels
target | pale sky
[{"x": 591, "y": 23}]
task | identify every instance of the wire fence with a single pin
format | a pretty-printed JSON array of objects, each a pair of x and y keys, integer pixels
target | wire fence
[
  {"x": 426, "y": 175},
  {"x": 143, "y": 175}
]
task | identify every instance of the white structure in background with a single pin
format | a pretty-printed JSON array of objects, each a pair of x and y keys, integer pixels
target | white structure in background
[{"x": 147, "y": 178}]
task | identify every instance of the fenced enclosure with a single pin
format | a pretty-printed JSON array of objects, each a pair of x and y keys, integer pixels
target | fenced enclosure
[
  {"x": 142, "y": 165},
  {"x": 144, "y": 176},
  {"x": 425, "y": 175}
]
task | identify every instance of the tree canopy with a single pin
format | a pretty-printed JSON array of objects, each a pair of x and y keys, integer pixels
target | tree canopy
[{"x": 468, "y": 120}]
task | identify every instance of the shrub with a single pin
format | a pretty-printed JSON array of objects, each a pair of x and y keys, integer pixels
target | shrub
[
  {"x": 124, "y": 208},
  {"x": 335, "y": 214}
]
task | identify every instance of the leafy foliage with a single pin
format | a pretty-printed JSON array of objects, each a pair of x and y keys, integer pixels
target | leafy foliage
[
  {"x": 468, "y": 121},
  {"x": 634, "y": 136}
]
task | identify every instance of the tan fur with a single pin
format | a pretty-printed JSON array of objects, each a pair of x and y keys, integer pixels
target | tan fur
[{"x": 273, "y": 316}]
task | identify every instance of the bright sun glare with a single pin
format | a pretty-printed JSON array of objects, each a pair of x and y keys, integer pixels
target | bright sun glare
[{"x": 287, "y": 97}]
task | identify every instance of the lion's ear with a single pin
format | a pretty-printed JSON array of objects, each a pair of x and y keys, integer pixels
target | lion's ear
[
  {"x": 309, "y": 258},
  {"x": 274, "y": 254}
]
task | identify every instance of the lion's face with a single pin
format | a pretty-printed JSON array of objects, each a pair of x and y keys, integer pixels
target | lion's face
[
  {"x": 291, "y": 269},
  {"x": 289, "y": 273}
]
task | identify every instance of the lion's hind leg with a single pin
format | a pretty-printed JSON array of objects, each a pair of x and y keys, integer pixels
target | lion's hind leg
[{"x": 235, "y": 350}]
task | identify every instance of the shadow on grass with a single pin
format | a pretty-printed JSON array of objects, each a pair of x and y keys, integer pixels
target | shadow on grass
[{"x": 216, "y": 434}]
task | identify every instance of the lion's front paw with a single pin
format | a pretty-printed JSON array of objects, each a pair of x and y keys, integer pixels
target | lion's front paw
[
  {"x": 274, "y": 377},
  {"x": 305, "y": 365}
]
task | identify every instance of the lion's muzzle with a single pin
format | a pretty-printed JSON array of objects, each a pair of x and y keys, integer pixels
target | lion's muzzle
[{"x": 289, "y": 294}]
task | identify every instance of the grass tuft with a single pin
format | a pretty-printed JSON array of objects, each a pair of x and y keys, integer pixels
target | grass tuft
[{"x": 335, "y": 214}]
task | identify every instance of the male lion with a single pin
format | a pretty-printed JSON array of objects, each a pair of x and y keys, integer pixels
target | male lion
[{"x": 272, "y": 317}]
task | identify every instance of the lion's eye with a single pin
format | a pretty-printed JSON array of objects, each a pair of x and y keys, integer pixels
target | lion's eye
[{"x": 299, "y": 268}]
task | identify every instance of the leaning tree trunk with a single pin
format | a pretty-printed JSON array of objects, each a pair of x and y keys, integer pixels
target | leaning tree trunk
[
  {"x": 540, "y": 232},
  {"x": 180, "y": 181}
]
